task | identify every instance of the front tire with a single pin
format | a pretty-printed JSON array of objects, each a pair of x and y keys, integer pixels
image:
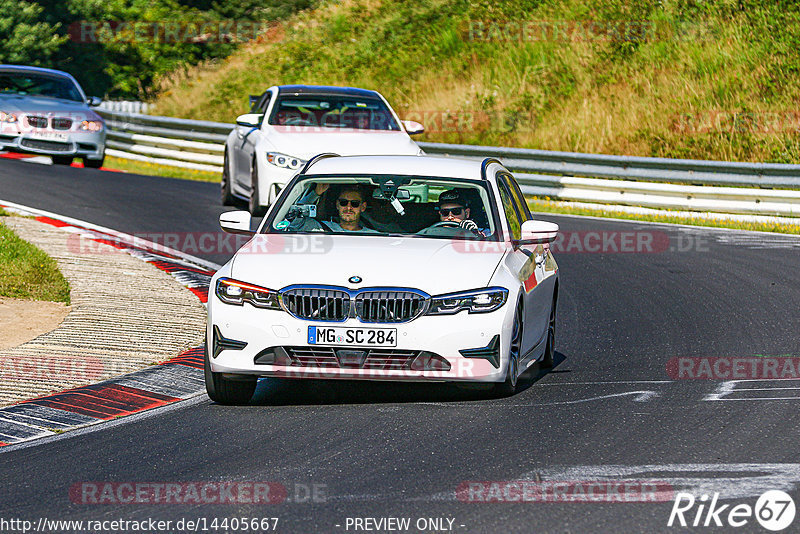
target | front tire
[
  {"x": 226, "y": 194},
  {"x": 93, "y": 163},
  {"x": 224, "y": 390},
  {"x": 509, "y": 387},
  {"x": 256, "y": 209}
]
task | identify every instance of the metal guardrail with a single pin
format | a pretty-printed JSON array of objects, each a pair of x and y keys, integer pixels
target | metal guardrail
[{"x": 717, "y": 186}]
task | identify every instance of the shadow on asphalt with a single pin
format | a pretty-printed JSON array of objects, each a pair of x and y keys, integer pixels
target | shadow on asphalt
[{"x": 291, "y": 392}]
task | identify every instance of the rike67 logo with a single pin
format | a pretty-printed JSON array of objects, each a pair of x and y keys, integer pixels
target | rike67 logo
[{"x": 774, "y": 510}]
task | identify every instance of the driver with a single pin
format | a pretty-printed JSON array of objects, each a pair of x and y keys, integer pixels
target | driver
[{"x": 453, "y": 208}]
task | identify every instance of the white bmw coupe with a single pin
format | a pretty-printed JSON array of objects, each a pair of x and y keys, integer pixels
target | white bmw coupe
[{"x": 407, "y": 268}]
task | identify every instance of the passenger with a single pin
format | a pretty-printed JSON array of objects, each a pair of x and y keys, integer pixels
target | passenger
[{"x": 350, "y": 204}]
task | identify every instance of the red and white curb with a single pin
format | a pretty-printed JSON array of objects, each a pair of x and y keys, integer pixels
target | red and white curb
[{"x": 171, "y": 381}]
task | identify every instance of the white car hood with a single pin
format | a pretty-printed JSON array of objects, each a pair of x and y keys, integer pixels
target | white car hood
[
  {"x": 433, "y": 265},
  {"x": 305, "y": 144}
]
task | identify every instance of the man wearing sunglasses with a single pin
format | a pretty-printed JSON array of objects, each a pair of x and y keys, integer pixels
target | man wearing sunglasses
[
  {"x": 351, "y": 205},
  {"x": 453, "y": 208}
]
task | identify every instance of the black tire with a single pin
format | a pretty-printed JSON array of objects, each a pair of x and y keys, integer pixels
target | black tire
[
  {"x": 93, "y": 163},
  {"x": 62, "y": 160},
  {"x": 224, "y": 390},
  {"x": 509, "y": 387},
  {"x": 550, "y": 350},
  {"x": 226, "y": 194},
  {"x": 256, "y": 209}
]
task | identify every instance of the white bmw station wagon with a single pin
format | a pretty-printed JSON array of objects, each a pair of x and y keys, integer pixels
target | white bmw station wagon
[{"x": 406, "y": 268}]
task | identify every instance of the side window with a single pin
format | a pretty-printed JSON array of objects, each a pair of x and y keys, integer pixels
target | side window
[
  {"x": 519, "y": 199},
  {"x": 514, "y": 222},
  {"x": 261, "y": 105}
]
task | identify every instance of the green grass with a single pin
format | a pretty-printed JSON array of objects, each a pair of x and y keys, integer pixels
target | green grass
[
  {"x": 547, "y": 206},
  {"x": 651, "y": 95},
  {"x": 152, "y": 169},
  {"x": 28, "y": 273}
]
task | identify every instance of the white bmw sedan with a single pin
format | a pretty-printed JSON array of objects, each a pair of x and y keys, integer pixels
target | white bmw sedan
[
  {"x": 399, "y": 268},
  {"x": 290, "y": 123}
]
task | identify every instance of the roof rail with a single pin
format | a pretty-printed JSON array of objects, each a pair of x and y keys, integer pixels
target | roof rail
[
  {"x": 485, "y": 163},
  {"x": 316, "y": 158}
]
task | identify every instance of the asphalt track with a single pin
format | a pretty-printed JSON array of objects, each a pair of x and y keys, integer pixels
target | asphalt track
[{"x": 608, "y": 411}]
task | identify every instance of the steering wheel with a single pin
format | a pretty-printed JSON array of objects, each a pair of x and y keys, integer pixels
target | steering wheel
[
  {"x": 445, "y": 224},
  {"x": 297, "y": 121}
]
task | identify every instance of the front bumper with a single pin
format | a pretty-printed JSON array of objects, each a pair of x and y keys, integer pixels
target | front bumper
[
  {"x": 441, "y": 335},
  {"x": 89, "y": 145}
]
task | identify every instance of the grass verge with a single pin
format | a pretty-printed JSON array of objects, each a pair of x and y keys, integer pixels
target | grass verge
[
  {"x": 28, "y": 273},
  {"x": 152, "y": 169},
  {"x": 547, "y": 206}
]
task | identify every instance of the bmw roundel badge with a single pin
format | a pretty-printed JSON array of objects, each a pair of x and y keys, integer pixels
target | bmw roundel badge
[{"x": 355, "y": 280}]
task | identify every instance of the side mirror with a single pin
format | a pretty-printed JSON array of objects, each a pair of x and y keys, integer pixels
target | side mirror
[
  {"x": 250, "y": 120},
  {"x": 94, "y": 101},
  {"x": 537, "y": 232},
  {"x": 413, "y": 127},
  {"x": 236, "y": 222}
]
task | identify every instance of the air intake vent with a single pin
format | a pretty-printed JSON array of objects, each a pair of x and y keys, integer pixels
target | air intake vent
[
  {"x": 389, "y": 306},
  {"x": 317, "y": 304}
]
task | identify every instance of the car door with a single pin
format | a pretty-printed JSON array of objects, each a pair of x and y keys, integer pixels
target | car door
[
  {"x": 530, "y": 263},
  {"x": 245, "y": 141}
]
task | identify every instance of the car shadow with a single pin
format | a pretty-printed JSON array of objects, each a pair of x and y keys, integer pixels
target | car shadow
[{"x": 304, "y": 392}]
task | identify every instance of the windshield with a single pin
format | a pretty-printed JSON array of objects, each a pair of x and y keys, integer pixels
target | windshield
[
  {"x": 26, "y": 83},
  {"x": 386, "y": 205},
  {"x": 333, "y": 112}
]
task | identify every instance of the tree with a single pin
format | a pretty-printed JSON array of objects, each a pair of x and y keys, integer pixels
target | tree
[{"x": 24, "y": 38}]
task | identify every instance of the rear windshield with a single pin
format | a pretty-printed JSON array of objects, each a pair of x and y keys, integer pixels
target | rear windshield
[
  {"x": 25, "y": 83},
  {"x": 333, "y": 112}
]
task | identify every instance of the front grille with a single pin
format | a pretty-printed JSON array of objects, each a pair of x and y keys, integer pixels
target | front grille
[
  {"x": 389, "y": 306},
  {"x": 62, "y": 123},
  {"x": 46, "y": 145},
  {"x": 36, "y": 121},
  {"x": 385, "y": 359},
  {"x": 317, "y": 304}
]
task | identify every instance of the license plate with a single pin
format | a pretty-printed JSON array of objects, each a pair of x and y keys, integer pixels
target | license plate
[
  {"x": 364, "y": 337},
  {"x": 49, "y": 136}
]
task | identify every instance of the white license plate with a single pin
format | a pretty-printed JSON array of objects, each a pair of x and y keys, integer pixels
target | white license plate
[
  {"x": 49, "y": 136},
  {"x": 362, "y": 337}
]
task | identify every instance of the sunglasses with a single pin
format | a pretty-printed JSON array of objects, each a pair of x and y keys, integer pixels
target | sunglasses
[
  {"x": 354, "y": 203},
  {"x": 444, "y": 212}
]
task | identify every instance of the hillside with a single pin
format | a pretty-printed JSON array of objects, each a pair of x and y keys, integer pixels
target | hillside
[{"x": 715, "y": 79}]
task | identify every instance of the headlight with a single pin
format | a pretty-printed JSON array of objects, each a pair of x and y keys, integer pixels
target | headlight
[
  {"x": 7, "y": 117},
  {"x": 232, "y": 291},
  {"x": 92, "y": 126},
  {"x": 285, "y": 162},
  {"x": 475, "y": 301}
]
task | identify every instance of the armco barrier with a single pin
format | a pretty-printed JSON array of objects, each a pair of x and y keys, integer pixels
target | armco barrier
[{"x": 717, "y": 186}]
